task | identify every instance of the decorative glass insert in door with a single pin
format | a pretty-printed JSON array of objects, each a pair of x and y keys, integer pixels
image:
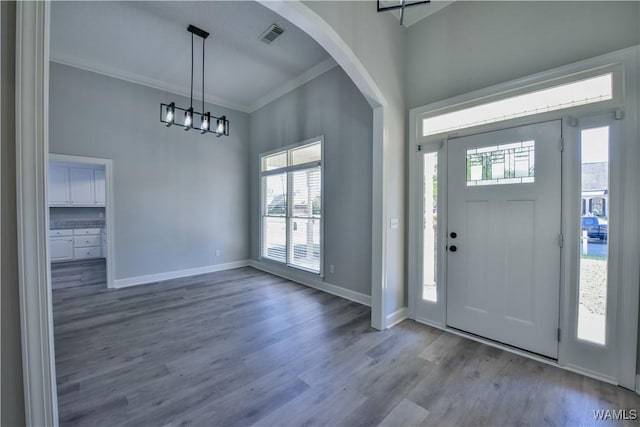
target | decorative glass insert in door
[
  {"x": 430, "y": 203},
  {"x": 512, "y": 163},
  {"x": 594, "y": 235}
]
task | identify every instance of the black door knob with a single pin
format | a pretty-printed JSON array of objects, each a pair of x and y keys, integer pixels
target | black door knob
[
  {"x": 453, "y": 248},
  {"x": 453, "y": 234}
]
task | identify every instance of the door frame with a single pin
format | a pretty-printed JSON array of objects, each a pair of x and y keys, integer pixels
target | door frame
[
  {"x": 624, "y": 65},
  {"x": 108, "y": 208}
]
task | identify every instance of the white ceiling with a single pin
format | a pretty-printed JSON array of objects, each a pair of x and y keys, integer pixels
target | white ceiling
[
  {"x": 416, "y": 13},
  {"x": 148, "y": 43}
]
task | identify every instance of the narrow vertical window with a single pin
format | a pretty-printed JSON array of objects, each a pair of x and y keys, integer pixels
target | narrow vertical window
[
  {"x": 430, "y": 203},
  {"x": 594, "y": 235}
]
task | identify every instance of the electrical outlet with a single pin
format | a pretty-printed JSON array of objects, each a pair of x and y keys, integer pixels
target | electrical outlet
[
  {"x": 217, "y": 252},
  {"x": 332, "y": 269}
]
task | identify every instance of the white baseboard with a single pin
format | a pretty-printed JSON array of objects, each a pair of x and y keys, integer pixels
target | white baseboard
[
  {"x": 316, "y": 283},
  {"x": 397, "y": 317},
  {"x": 159, "y": 277}
]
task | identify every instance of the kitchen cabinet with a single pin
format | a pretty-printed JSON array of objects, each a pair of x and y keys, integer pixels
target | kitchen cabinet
[
  {"x": 99, "y": 188},
  {"x": 61, "y": 248},
  {"x": 59, "y": 185},
  {"x": 82, "y": 186},
  {"x": 79, "y": 243},
  {"x": 75, "y": 185}
]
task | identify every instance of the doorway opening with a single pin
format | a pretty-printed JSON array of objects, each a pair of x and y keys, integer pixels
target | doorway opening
[{"x": 80, "y": 221}]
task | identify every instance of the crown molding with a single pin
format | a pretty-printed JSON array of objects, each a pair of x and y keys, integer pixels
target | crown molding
[
  {"x": 117, "y": 73},
  {"x": 313, "y": 72}
]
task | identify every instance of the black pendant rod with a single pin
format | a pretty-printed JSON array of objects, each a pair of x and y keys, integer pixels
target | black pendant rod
[
  {"x": 191, "y": 99},
  {"x": 202, "y": 76}
]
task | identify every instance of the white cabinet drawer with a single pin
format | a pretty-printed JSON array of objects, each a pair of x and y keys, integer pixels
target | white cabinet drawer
[
  {"x": 61, "y": 248},
  {"x": 92, "y": 252},
  {"x": 86, "y": 231},
  {"x": 85, "y": 241},
  {"x": 60, "y": 233}
]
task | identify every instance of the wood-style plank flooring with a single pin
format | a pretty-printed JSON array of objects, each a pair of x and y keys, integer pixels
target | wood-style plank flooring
[
  {"x": 242, "y": 348},
  {"x": 70, "y": 274}
]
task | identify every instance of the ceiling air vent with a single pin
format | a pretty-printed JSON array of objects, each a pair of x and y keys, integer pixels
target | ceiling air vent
[{"x": 272, "y": 33}]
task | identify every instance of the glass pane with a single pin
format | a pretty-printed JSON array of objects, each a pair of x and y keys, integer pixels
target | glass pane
[
  {"x": 306, "y": 192},
  {"x": 274, "y": 194},
  {"x": 274, "y": 161},
  {"x": 587, "y": 91},
  {"x": 274, "y": 239},
  {"x": 594, "y": 233},
  {"x": 306, "y": 153},
  {"x": 512, "y": 163},
  {"x": 305, "y": 243},
  {"x": 429, "y": 291}
]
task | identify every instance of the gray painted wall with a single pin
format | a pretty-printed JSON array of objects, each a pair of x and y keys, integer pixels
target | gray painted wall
[
  {"x": 471, "y": 45},
  {"x": 11, "y": 393},
  {"x": 330, "y": 105},
  {"x": 179, "y": 196}
]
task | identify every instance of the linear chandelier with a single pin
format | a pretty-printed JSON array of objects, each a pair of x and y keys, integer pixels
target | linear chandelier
[
  {"x": 402, "y": 6},
  {"x": 168, "y": 111}
]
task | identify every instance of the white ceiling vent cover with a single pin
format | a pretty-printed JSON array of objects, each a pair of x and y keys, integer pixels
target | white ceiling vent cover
[{"x": 272, "y": 33}]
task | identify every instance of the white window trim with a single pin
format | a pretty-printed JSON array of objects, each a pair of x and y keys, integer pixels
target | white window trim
[
  {"x": 624, "y": 65},
  {"x": 288, "y": 169}
]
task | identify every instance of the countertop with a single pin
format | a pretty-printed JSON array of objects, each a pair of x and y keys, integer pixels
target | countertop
[{"x": 76, "y": 223}]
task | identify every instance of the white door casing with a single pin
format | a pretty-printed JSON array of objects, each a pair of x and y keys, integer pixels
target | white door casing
[{"x": 504, "y": 263}]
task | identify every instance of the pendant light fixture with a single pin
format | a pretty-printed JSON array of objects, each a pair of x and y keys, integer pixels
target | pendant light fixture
[
  {"x": 168, "y": 111},
  {"x": 402, "y": 6}
]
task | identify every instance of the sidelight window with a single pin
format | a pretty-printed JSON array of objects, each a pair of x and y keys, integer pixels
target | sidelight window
[
  {"x": 594, "y": 235},
  {"x": 430, "y": 227}
]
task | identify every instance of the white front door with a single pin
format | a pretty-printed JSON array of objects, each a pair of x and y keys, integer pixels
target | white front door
[{"x": 503, "y": 238}]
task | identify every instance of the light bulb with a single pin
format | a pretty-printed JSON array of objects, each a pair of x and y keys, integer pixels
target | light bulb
[
  {"x": 170, "y": 114},
  {"x": 220, "y": 126},
  {"x": 204, "y": 127},
  {"x": 188, "y": 118}
]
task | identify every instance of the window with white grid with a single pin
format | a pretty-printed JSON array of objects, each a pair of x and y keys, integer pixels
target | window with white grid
[{"x": 291, "y": 223}]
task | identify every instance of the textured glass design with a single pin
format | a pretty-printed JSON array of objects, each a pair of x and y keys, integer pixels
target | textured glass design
[{"x": 512, "y": 163}]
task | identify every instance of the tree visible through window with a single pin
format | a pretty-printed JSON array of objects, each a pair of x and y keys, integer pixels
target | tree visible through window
[{"x": 292, "y": 206}]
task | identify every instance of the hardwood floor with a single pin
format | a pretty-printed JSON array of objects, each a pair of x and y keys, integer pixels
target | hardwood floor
[
  {"x": 242, "y": 347},
  {"x": 78, "y": 273}
]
